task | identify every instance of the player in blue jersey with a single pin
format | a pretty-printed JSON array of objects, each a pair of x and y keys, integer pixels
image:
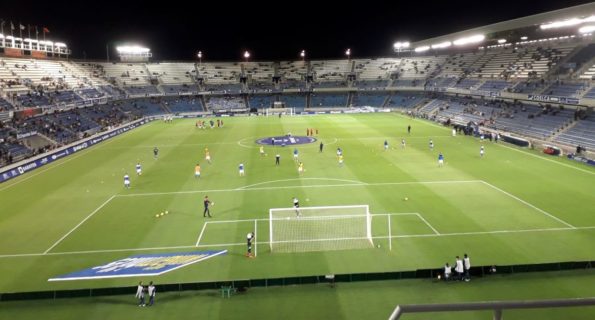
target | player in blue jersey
[
  {"x": 440, "y": 160},
  {"x": 139, "y": 169},
  {"x": 241, "y": 169},
  {"x": 126, "y": 181}
]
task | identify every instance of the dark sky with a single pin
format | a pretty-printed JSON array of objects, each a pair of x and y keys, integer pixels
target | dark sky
[{"x": 277, "y": 30}]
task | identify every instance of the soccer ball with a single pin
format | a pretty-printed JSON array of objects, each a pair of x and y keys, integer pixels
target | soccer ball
[
  {"x": 162, "y": 213},
  {"x": 406, "y": 198},
  {"x": 212, "y": 203},
  {"x": 378, "y": 246},
  {"x": 166, "y": 212},
  {"x": 157, "y": 215}
]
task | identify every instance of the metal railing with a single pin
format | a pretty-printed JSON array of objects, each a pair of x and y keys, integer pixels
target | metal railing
[{"x": 496, "y": 306}]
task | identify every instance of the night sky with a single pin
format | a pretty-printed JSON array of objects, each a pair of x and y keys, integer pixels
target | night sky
[{"x": 270, "y": 30}]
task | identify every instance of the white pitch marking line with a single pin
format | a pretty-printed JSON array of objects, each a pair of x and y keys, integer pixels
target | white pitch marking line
[
  {"x": 546, "y": 159},
  {"x": 241, "y": 244},
  {"x": 528, "y": 204},
  {"x": 301, "y": 179},
  {"x": 390, "y": 239},
  {"x": 57, "y": 164},
  {"x": 282, "y": 219},
  {"x": 363, "y": 184},
  {"x": 80, "y": 223},
  {"x": 255, "y": 239},
  {"x": 428, "y": 224},
  {"x": 204, "y": 226}
]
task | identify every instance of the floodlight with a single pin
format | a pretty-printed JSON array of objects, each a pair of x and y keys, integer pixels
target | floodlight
[
  {"x": 468, "y": 40},
  {"x": 199, "y": 55},
  {"x": 401, "y": 45},
  {"x": 442, "y": 45},
  {"x": 60, "y": 44},
  {"x": 502, "y": 41},
  {"x": 567, "y": 23},
  {"x": 422, "y": 48},
  {"x": 303, "y": 53},
  {"x": 348, "y": 52},
  {"x": 135, "y": 49},
  {"x": 587, "y": 29},
  {"x": 524, "y": 38},
  {"x": 246, "y": 54}
]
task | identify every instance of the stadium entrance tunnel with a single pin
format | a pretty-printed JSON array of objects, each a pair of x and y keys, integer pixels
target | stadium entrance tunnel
[{"x": 287, "y": 140}]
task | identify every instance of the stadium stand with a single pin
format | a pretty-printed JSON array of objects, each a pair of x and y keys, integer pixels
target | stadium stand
[
  {"x": 582, "y": 133},
  {"x": 261, "y": 101},
  {"x": 369, "y": 99},
  {"x": 297, "y": 101},
  {"x": 184, "y": 104},
  {"x": 328, "y": 100}
]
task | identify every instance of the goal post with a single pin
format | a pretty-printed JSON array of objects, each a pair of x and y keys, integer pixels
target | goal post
[
  {"x": 320, "y": 228},
  {"x": 277, "y": 111}
]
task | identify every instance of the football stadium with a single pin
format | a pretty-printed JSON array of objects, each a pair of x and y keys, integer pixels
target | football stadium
[{"x": 453, "y": 178}]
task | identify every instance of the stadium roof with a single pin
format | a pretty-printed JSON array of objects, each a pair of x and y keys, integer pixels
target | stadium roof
[{"x": 530, "y": 22}]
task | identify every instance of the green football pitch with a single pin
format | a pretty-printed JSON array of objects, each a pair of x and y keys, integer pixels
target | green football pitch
[{"x": 512, "y": 206}]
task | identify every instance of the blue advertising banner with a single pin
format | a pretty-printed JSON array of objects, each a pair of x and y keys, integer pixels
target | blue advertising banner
[
  {"x": 141, "y": 265},
  {"x": 49, "y": 158}
]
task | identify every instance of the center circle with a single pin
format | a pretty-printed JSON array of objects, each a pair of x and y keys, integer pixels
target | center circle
[{"x": 286, "y": 140}]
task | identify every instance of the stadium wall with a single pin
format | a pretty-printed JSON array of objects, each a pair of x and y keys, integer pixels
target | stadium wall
[{"x": 480, "y": 271}]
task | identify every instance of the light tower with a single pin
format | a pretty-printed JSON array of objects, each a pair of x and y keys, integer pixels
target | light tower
[
  {"x": 348, "y": 53},
  {"x": 303, "y": 55},
  {"x": 199, "y": 56}
]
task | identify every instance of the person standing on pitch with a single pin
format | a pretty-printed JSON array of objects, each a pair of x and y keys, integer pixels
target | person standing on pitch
[
  {"x": 459, "y": 269},
  {"x": 277, "y": 158},
  {"x": 447, "y": 272},
  {"x": 151, "y": 293},
  {"x": 140, "y": 294},
  {"x": 409, "y": 129},
  {"x": 155, "y": 153},
  {"x": 321, "y": 146},
  {"x": 206, "y": 203},
  {"x": 467, "y": 265},
  {"x": 249, "y": 239},
  {"x": 296, "y": 206}
]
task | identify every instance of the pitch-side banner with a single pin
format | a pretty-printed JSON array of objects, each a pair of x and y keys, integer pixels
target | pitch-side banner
[{"x": 141, "y": 265}]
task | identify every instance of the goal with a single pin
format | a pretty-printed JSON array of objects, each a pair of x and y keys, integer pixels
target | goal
[
  {"x": 277, "y": 111},
  {"x": 320, "y": 228}
]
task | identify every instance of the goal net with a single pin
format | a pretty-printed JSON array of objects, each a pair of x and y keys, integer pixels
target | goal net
[
  {"x": 320, "y": 228},
  {"x": 277, "y": 111}
]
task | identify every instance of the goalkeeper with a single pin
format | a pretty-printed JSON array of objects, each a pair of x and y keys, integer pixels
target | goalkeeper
[
  {"x": 296, "y": 206},
  {"x": 249, "y": 239}
]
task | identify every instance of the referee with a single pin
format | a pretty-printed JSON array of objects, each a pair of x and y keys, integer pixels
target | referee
[{"x": 207, "y": 203}]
